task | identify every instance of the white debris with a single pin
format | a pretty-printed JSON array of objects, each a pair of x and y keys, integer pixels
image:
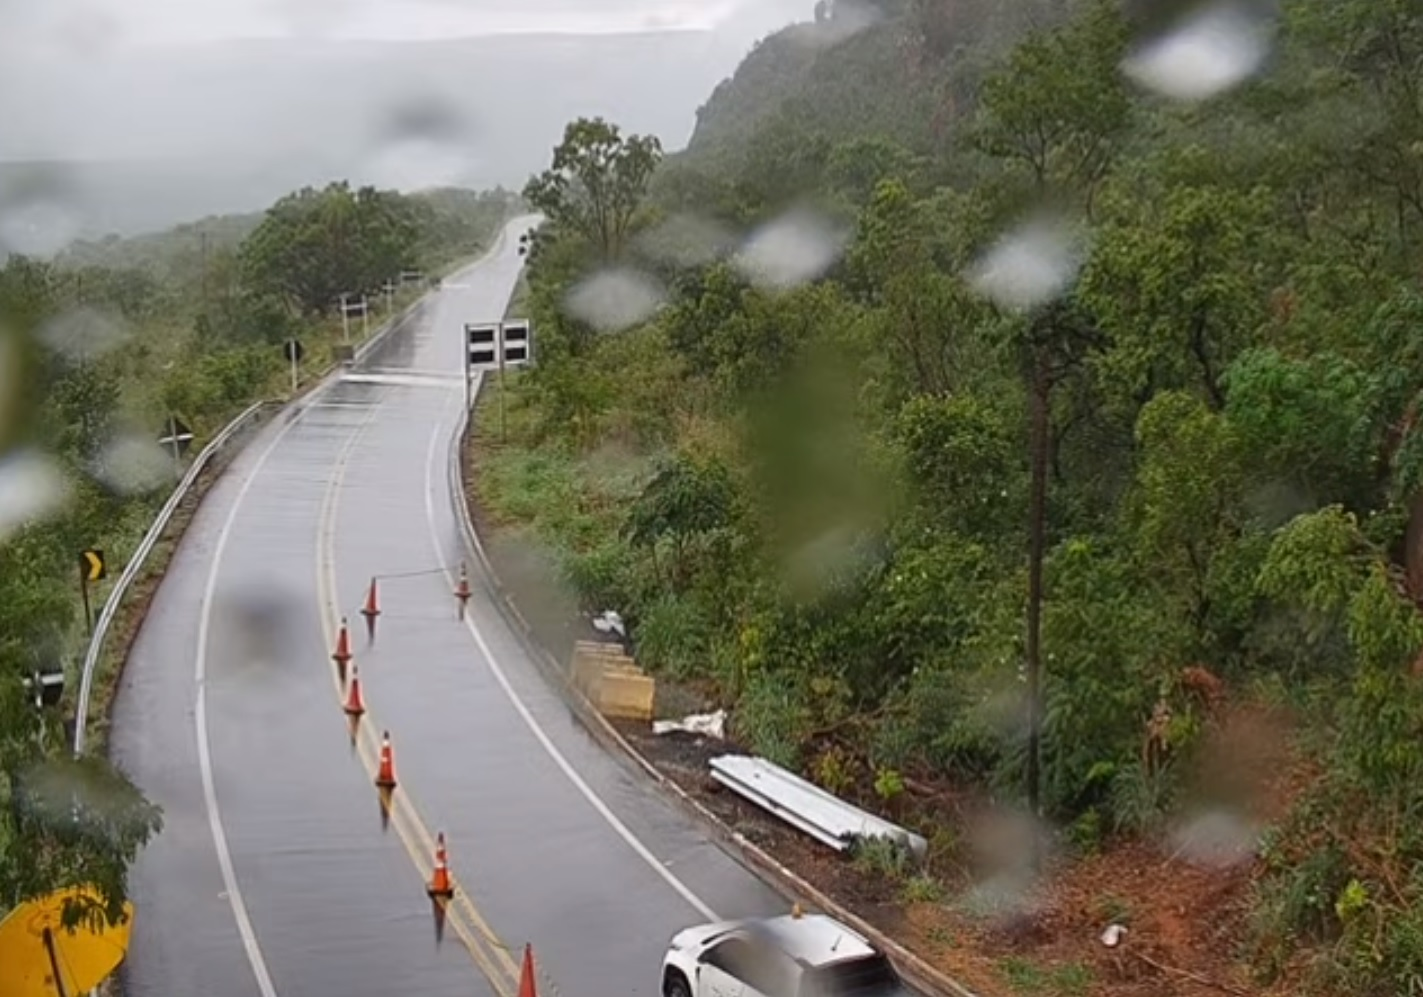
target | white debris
[
  {"x": 610, "y": 622},
  {"x": 705, "y": 724},
  {"x": 1112, "y": 937}
]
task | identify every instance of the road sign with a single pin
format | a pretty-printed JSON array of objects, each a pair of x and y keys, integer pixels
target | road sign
[
  {"x": 515, "y": 343},
  {"x": 93, "y": 564},
  {"x": 293, "y": 351},
  {"x": 48, "y": 688},
  {"x": 482, "y": 346},
  {"x": 176, "y": 436}
]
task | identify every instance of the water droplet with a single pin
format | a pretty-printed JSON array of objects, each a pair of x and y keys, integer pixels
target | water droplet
[
  {"x": 1214, "y": 49},
  {"x": 31, "y": 486},
  {"x": 688, "y": 241},
  {"x": 615, "y": 300},
  {"x": 1216, "y": 840},
  {"x": 792, "y": 250},
  {"x": 421, "y": 142},
  {"x": 39, "y": 212},
  {"x": 258, "y": 621},
  {"x": 82, "y": 334},
  {"x": 1029, "y": 266},
  {"x": 134, "y": 465}
]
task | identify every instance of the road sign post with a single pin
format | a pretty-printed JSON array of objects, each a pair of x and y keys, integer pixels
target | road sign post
[
  {"x": 514, "y": 349},
  {"x": 92, "y": 568},
  {"x": 481, "y": 353},
  {"x": 177, "y": 438},
  {"x": 497, "y": 346},
  {"x": 292, "y": 350}
]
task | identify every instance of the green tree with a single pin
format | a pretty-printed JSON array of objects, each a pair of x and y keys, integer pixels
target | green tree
[
  {"x": 315, "y": 245},
  {"x": 1057, "y": 108},
  {"x": 597, "y": 183}
]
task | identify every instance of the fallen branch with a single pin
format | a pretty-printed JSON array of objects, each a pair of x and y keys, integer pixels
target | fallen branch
[{"x": 1186, "y": 974}]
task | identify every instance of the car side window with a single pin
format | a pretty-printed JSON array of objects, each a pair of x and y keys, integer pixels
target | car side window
[
  {"x": 731, "y": 957},
  {"x": 762, "y": 968}
]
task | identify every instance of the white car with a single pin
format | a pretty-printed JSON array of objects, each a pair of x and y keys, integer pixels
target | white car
[{"x": 794, "y": 955}]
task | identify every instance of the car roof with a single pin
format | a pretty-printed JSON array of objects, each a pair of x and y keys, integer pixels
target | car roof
[{"x": 815, "y": 940}]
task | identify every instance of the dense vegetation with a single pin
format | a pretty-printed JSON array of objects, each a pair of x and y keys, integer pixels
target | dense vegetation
[
  {"x": 103, "y": 343},
  {"x": 813, "y": 494}
]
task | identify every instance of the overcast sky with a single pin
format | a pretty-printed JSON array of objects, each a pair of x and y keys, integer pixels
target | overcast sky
[
  {"x": 119, "y": 24},
  {"x": 167, "y": 83}
]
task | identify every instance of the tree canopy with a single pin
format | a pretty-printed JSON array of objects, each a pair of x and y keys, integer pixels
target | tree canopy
[{"x": 1228, "y": 439}]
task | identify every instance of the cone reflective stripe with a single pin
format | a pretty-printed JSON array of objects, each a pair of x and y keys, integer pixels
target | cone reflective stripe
[
  {"x": 526, "y": 976},
  {"x": 440, "y": 887},
  {"x": 372, "y": 607},
  {"x": 342, "y": 654},
  {"x": 355, "y": 705},
  {"x": 385, "y": 778}
]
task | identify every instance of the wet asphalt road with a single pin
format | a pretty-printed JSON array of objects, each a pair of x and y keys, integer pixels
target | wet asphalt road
[{"x": 276, "y": 873}]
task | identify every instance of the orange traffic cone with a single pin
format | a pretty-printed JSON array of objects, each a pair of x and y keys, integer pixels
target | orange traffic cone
[
  {"x": 355, "y": 706},
  {"x": 385, "y": 778},
  {"x": 342, "y": 654},
  {"x": 462, "y": 590},
  {"x": 440, "y": 888},
  {"x": 526, "y": 977},
  {"x": 372, "y": 607}
]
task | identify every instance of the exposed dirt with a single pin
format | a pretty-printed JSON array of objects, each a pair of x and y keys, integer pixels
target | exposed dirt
[
  {"x": 1182, "y": 899},
  {"x": 1184, "y": 918}
]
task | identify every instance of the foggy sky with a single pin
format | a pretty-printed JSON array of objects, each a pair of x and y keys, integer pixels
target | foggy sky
[{"x": 246, "y": 99}]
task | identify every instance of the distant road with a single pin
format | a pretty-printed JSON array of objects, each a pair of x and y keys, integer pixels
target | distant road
[{"x": 274, "y": 874}]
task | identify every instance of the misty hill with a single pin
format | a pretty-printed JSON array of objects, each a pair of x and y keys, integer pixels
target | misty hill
[
  {"x": 156, "y": 137},
  {"x": 901, "y": 70}
]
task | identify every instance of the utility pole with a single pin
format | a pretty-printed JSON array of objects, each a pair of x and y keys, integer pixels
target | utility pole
[
  {"x": 345, "y": 321},
  {"x": 1040, "y": 391},
  {"x": 203, "y": 237}
]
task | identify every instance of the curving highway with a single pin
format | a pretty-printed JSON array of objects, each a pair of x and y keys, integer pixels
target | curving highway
[{"x": 280, "y": 870}]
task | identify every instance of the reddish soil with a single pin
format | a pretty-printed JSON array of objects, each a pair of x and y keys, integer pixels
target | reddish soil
[{"x": 1185, "y": 920}]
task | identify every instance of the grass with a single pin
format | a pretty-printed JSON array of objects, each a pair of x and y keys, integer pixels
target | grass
[{"x": 1030, "y": 980}]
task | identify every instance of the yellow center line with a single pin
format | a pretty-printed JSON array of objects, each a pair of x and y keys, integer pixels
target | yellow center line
[{"x": 491, "y": 956}]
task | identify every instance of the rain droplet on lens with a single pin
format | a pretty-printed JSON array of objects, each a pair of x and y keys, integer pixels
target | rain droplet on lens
[
  {"x": 82, "y": 334},
  {"x": 1216, "y": 840},
  {"x": 31, "y": 487},
  {"x": 1031, "y": 265},
  {"x": 688, "y": 241},
  {"x": 39, "y": 211},
  {"x": 1213, "y": 49},
  {"x": 421, "y": 142},
  {"x": 614, "y": 300},
  {"x": 134, "y": 465},
  {"x": 792, "y": 250}
]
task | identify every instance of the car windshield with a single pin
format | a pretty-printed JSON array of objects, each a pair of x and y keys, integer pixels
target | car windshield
[{"x": 871, "y": 976}]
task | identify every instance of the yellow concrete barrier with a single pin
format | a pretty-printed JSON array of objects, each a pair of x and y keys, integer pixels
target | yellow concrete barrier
[{"x": 612, "y": 681}]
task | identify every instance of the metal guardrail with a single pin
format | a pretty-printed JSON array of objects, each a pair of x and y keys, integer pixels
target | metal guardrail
[
  {"x": 808, "y": 807},
  {"x": 139, "y": 558}
]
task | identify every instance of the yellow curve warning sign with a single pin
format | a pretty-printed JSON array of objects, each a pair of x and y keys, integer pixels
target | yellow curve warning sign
[{"x": 35, "y": 946}]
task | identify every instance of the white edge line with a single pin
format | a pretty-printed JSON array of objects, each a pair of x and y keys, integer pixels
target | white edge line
[
  {"x": 684, "y": 891},
  {"x": 219, "y": 835}
]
